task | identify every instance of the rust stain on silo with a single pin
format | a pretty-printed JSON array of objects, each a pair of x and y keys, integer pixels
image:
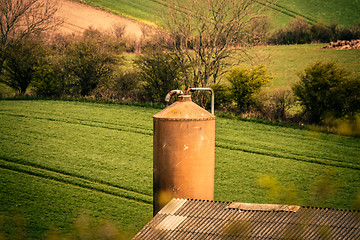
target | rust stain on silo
[{"x": 183, "y": 153}]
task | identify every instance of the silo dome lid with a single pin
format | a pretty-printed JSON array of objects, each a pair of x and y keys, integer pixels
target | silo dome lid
[{"x": 184, "y": 110}]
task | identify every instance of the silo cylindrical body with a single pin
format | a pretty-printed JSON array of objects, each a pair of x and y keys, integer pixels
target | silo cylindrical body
[{"x": 183, "y": 153}]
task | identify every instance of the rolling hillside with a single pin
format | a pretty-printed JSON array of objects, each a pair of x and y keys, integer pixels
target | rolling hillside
[
  {"x": 285, "y": 62},
  {"x": 78, "y": 169},
  {"x": 344, "y": 12},
  {"x": 61, "y": 162}
]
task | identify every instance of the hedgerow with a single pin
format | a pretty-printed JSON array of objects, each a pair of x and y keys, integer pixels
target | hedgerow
[
  {"x": 326, "y": 90},
  {"x": 90, "y": 66},
  {"x": 300, "y": 31}
]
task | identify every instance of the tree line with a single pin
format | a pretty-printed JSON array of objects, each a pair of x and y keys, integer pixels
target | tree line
[
  {"x": 301, "y": 31},
  {"x": 201, "y": 47}
]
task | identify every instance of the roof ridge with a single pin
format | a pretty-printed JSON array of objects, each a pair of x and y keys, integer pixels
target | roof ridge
[{"x": 301, "y": 206}]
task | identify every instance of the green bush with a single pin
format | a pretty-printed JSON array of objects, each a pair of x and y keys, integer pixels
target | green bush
[
  {"x": 300, "y": 31},
  {"x": 275, "y": 106},
  {"x": 326, "y": 90},
  {"x": 246, "y": 84},
  {"x": 46, "y": 83},
  {"x": 88, "y": 60},
  {"x": 223, "y": 98},
  {"x": 319, "y": 32},
  {"x": 160, "y": 72},
  {"x": 24, "y": 56},
  {"x": 123, "y": 86}
]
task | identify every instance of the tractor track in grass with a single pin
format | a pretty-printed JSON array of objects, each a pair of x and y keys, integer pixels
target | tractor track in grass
[
  {"x": 37, "y": 170},
  {"x": 295, "y": 157},
  {"x": 93, "y": 123},
  {"x": 281, "y": 9},
  {"x": 222, "y": 143},
  {"x": 285, "y": 154}
]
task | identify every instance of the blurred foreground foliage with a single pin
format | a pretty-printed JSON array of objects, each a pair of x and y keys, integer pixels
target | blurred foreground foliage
[
  {"x": 323, "y": 189},
  {"x": 84, "y": 227}
]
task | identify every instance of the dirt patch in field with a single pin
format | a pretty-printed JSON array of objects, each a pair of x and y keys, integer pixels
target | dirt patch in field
[{"x": 77, "y": 17}]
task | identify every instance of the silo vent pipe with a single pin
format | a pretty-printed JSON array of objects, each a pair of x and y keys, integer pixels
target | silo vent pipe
[
  {"x": 168, "y": 96},
  {"x": 204, "y": 89}
]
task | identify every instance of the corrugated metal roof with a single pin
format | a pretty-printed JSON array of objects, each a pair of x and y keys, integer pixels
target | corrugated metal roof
[{"x": 197, "y": 219}]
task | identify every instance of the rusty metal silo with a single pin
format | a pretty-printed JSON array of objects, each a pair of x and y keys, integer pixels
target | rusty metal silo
[{"x": 183, "y": 152}]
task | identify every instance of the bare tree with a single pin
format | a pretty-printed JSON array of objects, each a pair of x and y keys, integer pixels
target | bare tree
[
  {"x": 88, "y": 60},
  {"x": 25, "y": 58},
  {"x": 23, "y": 18},
  {"x": 206, "y": 33}
]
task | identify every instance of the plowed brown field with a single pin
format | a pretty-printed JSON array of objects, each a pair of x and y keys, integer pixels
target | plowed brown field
[{"x": 77, "y": 17}]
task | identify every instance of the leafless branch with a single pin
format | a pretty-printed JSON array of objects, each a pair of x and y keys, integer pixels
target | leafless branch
[
  {"x": 23, "y": 18},
  {"x": 206, "y": 33}
]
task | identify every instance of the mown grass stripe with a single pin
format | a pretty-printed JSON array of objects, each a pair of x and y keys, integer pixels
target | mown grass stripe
[
  {"x": 278, "y": 155},
  {"x": 124, "y": 128},
  {"x": 61, "y": 118},
  {"x": 280, "y": 150},
  {"x": 219, "y": 143},
  {"x": 277, "y": 7},
  {"x": 38, "y": 172},
  {"x": 80, "y": 178}
]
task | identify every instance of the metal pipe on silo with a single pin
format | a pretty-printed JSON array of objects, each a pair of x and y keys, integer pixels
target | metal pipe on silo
[
  {"x": 183, "y": 152},
  {"x": 204, "y": 89}
]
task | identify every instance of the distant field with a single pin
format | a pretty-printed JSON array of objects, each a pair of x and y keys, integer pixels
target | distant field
[
  {"x": 344, "y": 12},
  {"x": 60, "y": 159},
  {"x": 286, "y": 62},
  {"x": 146, "y": 10}
]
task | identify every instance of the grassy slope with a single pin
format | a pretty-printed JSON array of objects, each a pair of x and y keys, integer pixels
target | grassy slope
[
  {"x": 286, "y": 62},
  {"x": 297, "y": 159},
  {"x": 345, "y": 12},
  {"x": 50, "y": 204},
  {"x": 142, "y": 10},
  {"x": 85, "y": 152},
  {"x": 59, "y": 159}
]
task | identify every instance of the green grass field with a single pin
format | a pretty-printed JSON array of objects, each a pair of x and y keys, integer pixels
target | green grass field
[
  {"x": 59, "y": 160},
  {"x": 147, "y": 10},
  {"x": 62, "y": 160},
  {"x": 344, "y": 12},
  {"x": 287, "y": 61}
]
